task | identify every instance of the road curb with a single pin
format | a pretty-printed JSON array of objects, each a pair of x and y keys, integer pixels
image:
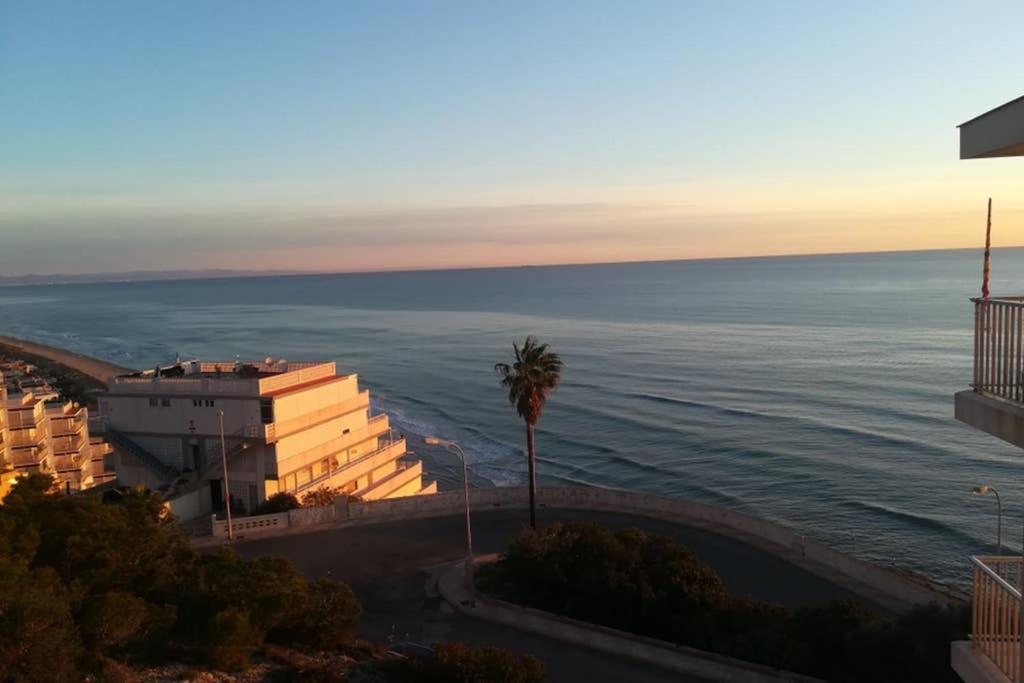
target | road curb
[{"x": 679, "y": 659}]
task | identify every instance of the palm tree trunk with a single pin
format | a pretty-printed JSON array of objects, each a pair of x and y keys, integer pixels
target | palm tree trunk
[{"x": 531, "y": 459}]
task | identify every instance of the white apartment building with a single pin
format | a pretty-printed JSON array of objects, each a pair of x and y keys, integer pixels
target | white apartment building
[
  {"x": 288, "y": 427},
  {"x": 54, "y": 439}
]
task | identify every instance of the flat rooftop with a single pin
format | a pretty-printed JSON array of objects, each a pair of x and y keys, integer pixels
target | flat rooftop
[{"x": 199, "y": 369}]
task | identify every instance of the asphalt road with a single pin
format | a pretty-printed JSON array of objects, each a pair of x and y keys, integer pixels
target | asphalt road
[{"x": 388, "y": 563}]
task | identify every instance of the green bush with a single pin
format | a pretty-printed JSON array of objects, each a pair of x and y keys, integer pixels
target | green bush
[
  {"x": 321, "y": 497},
  {"x": 109, "y": 619},
  {"x": 231, "y": 640},
  {"x": 38, "y": 641},
  {"x": 279, "y": 502},
  {"x": 329, "y": 615},
  {"x": 652, "y": 585},
  {"x": 119, "y": 577},
  {"x": 457, "y": 662}
]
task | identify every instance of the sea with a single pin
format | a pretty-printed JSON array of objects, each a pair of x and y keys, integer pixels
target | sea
[{"x": 814, "y": 391}]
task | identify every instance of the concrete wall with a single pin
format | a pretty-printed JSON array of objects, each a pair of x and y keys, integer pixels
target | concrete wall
[
  {"x": 302, "y": 401},
  {"x": 998, "y": 417},
  {"x": 191, "y": 505},
  {"x": 872, "y": 582}
]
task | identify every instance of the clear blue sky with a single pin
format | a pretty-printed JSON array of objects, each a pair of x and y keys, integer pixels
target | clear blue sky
[{"x": 410, "y": 134}]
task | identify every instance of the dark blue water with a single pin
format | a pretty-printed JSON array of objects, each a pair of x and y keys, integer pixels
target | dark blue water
[{"x": 814, "y": 391}]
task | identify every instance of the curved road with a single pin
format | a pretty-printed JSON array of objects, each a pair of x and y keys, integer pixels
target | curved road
[{"x": 388, "y": 565}]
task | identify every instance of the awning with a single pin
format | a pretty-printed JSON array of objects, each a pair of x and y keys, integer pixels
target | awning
[{"x": 997, "y": 133}]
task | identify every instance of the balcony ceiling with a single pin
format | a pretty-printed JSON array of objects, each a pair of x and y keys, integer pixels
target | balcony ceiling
[{"x": 997, "y": 133}]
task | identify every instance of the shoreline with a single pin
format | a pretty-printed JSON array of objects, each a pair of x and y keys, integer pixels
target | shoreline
[{"x": 97, "y": 369}]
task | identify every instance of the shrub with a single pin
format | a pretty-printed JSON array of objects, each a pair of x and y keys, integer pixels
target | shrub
[
  {"x": 458, "y": 662},
  {"x": 231, "y": 640},
  {"x": 39, "y": 641},
  {"x": 279, "y": 502},
  {"x": 651, "y": 585},
  {"x": 321, "y": 497},
  {"x": 109, "y": 619},
  {"x": 628, "y": 579},
  {"x": 125, "y": 581},
  {"x": 329, "y": 616}
]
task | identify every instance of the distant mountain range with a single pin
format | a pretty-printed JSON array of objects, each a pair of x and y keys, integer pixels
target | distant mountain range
[{"x": 136, "y": 276}]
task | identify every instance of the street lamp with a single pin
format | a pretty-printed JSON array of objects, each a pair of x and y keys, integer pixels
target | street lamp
[
  {"x": 455, "y": 448},
  {"x": 224, "y": 462},
  {"x": 981, "y": 491}
]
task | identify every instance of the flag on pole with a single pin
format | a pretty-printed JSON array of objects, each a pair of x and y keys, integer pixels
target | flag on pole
[{"x": 988, "y": 248}]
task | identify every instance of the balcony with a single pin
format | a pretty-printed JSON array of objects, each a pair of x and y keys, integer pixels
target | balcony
[
  {"x": 994, "y": 652},
  {"x": 278, "y": 430},
  {"x": 67, "y": 426},
  {"x": 406, "y": 473},
  {"x": 995, "y": 402},
  {"x": 358, "y": 468},
  {"x": 25, "y": 438}
]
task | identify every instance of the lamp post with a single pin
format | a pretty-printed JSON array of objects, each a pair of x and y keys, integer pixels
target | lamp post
[
  {"x": 224, "y": 462},
  {"x": 981, "y": 491},
  {"x": 455, "y": 448}
]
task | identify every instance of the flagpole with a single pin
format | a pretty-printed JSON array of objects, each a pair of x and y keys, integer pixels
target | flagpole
[{"x": 986, "y": 270}]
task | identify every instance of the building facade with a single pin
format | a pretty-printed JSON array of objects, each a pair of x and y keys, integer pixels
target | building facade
[
  {"x": 994, "y": 404},
  {"x": 36, "y": 436},
  {"x": 287, "y": 427},
  {"x": 7, "y": 473}
]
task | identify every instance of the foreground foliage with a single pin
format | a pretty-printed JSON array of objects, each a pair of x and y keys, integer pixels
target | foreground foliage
[
  {"x": 83, "y": 581},
  {"x": 101, "y": 587},
  {"x": 654, "y": 586},
  {"x": 458, "y": 662}
]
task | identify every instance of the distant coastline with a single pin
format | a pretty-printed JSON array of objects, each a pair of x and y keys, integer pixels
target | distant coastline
[
  {"x": 34, "y": 279},
  {"x": 94, "y": 368}
]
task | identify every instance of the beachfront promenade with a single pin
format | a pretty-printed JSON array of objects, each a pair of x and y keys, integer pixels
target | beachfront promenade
[
  {"x": 392, "y": 552},
  {"x": 389, "y": 566},
  {"x": 93, "y": 367}
]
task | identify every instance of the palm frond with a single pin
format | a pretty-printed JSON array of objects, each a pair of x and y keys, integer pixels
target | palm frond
[{"x": 531, "y": 378}]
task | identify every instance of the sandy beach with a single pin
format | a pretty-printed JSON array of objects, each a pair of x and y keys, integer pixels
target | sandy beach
[{"x": 93, "y": 367}]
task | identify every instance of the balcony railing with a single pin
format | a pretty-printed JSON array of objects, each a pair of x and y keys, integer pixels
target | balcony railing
[
  {"x": 359, "y": 467},
  {"x": 996, "y": 625},
  {"x": 278, "y": 430},
  {"x": 998, "y": 337}
]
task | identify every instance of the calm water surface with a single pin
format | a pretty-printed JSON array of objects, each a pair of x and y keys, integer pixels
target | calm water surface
[{"x": 813, "y": 391}]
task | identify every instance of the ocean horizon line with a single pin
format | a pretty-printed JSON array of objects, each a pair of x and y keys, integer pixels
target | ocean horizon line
[{"x": 199, "y": 274}]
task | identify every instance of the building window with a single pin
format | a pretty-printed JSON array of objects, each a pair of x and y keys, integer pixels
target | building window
[
  {"x": 345, "y": 431},
  {"x": 209, "y": 403},
  {"x": 266, "y": 410},
  {"x": 153, "y": 403},
  {"x": 196, "y": 403},
  {"x": 165, "y": 402}
]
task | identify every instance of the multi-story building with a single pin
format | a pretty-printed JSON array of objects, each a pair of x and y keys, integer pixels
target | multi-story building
[
  {"x": 7, "y": 473},
  {"x": 287, "y": 427},
  {"x": 995, "y": 405},
  {"x": 80, "y": 460},
  {"x": 53, "y": 439}
]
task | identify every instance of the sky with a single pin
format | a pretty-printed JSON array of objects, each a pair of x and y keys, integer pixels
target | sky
[{"x": 345, "y": 136}]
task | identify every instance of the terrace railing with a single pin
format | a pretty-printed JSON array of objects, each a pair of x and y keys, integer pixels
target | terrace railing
[
  {"x": 996, "y": 625},
  {"x": 998, "y": 340}
]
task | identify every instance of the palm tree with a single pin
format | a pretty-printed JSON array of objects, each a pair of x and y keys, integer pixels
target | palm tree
[{"x": 535, "y": 374}]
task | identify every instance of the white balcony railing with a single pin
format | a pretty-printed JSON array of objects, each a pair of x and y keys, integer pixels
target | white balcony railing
[
  {"x": 999, "y": 347},
  {"x": 996, "y": 615}
]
